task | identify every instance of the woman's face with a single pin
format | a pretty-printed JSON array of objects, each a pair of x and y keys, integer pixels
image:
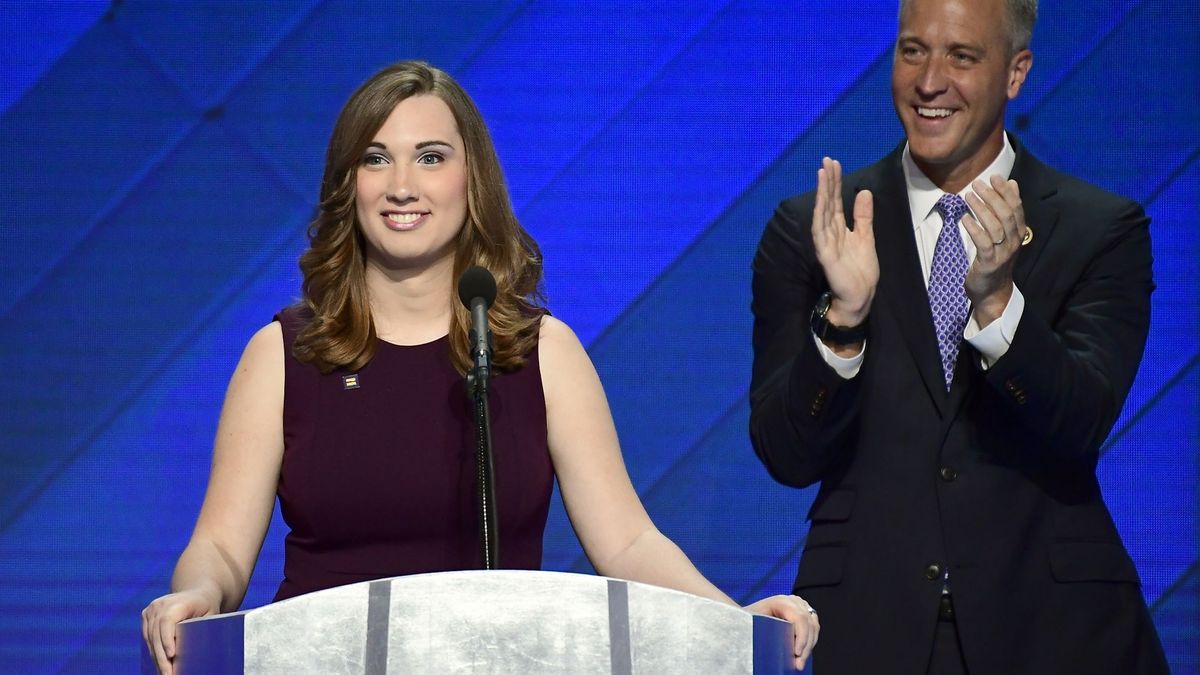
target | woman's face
[{"x": 411, "y": 186}]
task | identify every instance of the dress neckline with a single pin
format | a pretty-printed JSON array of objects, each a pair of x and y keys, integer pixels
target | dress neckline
[{"x": 431, "y": 343}]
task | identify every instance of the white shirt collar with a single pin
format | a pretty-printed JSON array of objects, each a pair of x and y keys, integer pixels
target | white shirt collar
[{"x": 923, "y": 194}]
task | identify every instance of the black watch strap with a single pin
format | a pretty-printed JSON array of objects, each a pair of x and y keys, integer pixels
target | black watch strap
[{"x": 828, "y": 332}]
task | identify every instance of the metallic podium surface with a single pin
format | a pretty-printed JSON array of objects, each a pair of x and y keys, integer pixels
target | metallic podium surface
[{"x": 501, "y": 621}]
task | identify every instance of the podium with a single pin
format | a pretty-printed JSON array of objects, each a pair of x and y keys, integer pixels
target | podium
[{"x": 499, "y": 621}]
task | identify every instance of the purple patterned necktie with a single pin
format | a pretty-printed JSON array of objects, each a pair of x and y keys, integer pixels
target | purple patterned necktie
[{"x": 947, "y": 295}]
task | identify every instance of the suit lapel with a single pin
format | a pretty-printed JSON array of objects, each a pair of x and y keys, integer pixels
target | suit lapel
[
  {"x": 901, "y": 289},
  {"x": 1037, "y": 186}
]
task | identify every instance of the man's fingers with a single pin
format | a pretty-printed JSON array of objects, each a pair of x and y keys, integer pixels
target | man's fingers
[
  {"x": 1008, "y": 190},
  {"x": 819, "y": 208},
  {"x": 838, "y": 211},
  {"x": 828, "y": 223},
  {"x": 1014, "y": 226},
  {"x": 979, "y": 235},
  {"x": 819, "y": 226},
  {"x": 982, "y": 225},
  {"x": 864, "y": 212},
  {"x": 997, "y": 214},
  {"x": 828, "y": 194}
]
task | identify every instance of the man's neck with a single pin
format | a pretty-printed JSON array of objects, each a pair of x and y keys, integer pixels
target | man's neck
[{"x": 953, "y": 178}]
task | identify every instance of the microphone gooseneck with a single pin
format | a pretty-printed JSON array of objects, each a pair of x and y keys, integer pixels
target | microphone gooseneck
[{"x": 477, "y": 291}]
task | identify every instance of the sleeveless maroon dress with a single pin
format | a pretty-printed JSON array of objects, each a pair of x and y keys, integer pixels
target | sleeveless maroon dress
[{"x": 378, "y": 475}]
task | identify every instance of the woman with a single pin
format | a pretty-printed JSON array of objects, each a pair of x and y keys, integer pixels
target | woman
[{"x": 351, "y": 405}]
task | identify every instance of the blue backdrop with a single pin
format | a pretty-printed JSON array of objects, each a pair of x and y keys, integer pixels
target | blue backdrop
[{"x": 160, "y": 161}]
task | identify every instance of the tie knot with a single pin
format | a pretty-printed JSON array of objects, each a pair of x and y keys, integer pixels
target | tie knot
[{"x": 952, "y": 208}]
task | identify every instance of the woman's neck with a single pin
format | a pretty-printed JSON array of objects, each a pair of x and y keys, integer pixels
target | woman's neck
[{"x": 411, "y": 306}]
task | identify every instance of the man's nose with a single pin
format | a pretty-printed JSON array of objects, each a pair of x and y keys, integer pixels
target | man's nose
[{"x": 931, "y": 80}]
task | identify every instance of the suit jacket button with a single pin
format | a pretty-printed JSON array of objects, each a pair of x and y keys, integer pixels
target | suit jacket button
[
  {"x": 933, "y": 572},
  {"x": 948, "y": 473}
]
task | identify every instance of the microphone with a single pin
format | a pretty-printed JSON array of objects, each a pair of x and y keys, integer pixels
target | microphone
[{"x": 477, "y": 291}]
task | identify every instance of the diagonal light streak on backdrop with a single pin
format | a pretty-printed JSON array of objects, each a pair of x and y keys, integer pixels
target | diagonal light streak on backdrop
[
  {"x": 296, "y": 22},
  {"x": 1065, "y": 75},
  {"x": 286, "y": 174},
  {"x": 223, "y": 299},
  {"x": 140, "y": 174},
  {"x": 755, "y": 590},
  {"x": 681, "y": 259},
  {"x": 1177, "y": 586},
  {"x": 1150, "y": 403},
  {"x": 491, "y": 39},
  {"x": 647, "y": 493},
  {"x": 1172, "y": 176},
  {"x": 633, "y": 96},
  {"x": 33, "y": 490}
]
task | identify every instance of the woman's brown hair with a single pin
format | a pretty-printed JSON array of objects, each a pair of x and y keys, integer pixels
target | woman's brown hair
[{"x": 339, "y": 332}]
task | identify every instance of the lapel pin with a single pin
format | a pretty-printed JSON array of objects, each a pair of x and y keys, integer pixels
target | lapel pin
[{"x": 350, "y": 381}]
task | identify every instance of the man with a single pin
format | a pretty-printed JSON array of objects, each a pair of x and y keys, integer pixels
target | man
[{"x": 947, "y": 366}]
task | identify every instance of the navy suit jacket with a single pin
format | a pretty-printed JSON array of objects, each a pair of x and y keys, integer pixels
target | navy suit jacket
[{"x": 994, "y": 480}]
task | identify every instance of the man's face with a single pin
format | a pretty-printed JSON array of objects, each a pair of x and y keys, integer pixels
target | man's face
[{"x": 952, "y": 75}]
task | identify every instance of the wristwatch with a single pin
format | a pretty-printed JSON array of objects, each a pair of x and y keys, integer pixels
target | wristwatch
[{"x": 827, "y": 332}]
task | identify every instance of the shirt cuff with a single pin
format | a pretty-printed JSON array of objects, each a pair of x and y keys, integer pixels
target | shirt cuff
[
  {"x": 846, "y": 367},
  {"x": 992, "y": 341}
]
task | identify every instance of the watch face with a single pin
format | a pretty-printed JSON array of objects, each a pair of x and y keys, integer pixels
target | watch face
[
  {"x": 823, "y": 303},
  {"x": 829, "y": 332}
]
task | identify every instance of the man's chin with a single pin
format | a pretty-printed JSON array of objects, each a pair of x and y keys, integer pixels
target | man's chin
[{"x": 931, "y": 154}]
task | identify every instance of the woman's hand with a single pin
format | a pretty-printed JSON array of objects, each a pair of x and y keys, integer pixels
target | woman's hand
[
  {"x": 802, "y": 617},
  {"x": 161, "y": 616}
]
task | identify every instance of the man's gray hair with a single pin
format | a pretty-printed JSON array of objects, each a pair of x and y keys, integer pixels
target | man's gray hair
[{"x": 1021, "y": 14}]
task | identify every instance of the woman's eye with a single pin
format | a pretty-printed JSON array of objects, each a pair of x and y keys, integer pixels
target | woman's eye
[
  {"x": 374, "y": 159},
  {"x": 430, "y": 158}
]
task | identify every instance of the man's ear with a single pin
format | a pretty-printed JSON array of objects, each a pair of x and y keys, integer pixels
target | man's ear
[{"x": 1018, "y": 69}]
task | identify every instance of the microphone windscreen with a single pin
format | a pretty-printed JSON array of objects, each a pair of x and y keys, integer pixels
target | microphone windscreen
[{"x": 477, "y": 282}]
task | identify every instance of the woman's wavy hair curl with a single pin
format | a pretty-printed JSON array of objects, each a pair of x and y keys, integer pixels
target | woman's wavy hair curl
[{"x": 339, "y": 332}]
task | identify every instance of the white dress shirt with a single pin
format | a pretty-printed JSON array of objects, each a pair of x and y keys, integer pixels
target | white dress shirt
[{"x": 991, "y": 341}]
